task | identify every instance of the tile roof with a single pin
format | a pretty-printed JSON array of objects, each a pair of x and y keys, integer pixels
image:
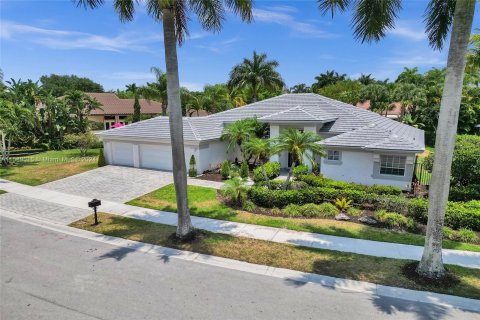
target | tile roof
[
  {"x": 111, "y": 104},
  {"x": 347, "y": 125}
]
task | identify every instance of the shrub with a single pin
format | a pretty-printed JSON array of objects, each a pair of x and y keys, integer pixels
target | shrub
[
  {"x": 192, "y": 172},
  {"x": 300, "y": 170},
  {"x": 276, "y": 211},
  {"x": 82, "y": 141},
  {"x": 225, "y": 169},
  {"x": 354, "y": 212},
  {"x": 272, "y": 169},
  {"x": 297, "y": 185},
  {"x": 394, "y": 220},
  {"x": 393, "y": 203},
  {"x": 101, "y": 159},
  {"x": 316, "y": 181},
  {"x": 311, "y": 210},
  {"x": 236, "y": 190},
  {"x": 464, "y": 193},
  {"x": 342, "y": 204},
  {"x": 248, "y": 205},
  {"x": 328, "y": 209},
  {"x": 449, "y": 233},
  {"x": 244, "y": 170},
  {"x": 292, "y": 210},
  {"x": 467, "y": 235}
]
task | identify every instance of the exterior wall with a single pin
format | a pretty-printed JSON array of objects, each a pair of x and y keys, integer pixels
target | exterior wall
[
  {"x": 364, "y": 167},
  {"x": 211, "y": 155},
  {"x": 96, "y": 118}
]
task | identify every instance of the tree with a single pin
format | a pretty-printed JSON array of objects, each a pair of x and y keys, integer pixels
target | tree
[
  {"x": 410, "y": 97},
  {"x": 371, "y": 20},
  {"x": 410, "y": 76},
  {"x": 366, "y": 79},
  {"x": 137, "y": 114},
  {"x": 256, "y": 74},
  {"x": 157, "y": 90},
  {"x": 57, "y": 85},
  {"x": 379, "y": 96},
  {"x": 327, "y": 78},
  {"x": 216, "y": 98},
  {"x": 300, "y": 88},
  {"x": 237, "y": 133},
  {"x": 197, "y": 103},
  {"x": 258, "y": 148},
  {"x": 79, "y": 105},
  {"x": 347, "y": 91},
  {"x": 174, "y": 17},
  {"x": 299, "y": 145}
]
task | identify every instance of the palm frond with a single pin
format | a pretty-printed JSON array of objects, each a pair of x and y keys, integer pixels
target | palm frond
[
  {"x": 211, "y": 13},
  {"x": 438, "y": 18},
  {"x": 241, "y": 7},
  {"x": 92, "y": 4},
  {"x": 373, "y": 18},
  {"x": 125, "y": 9},
  {"x": 333, "y": 5}
]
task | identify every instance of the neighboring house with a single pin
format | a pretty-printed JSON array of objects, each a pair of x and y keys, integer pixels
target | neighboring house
[
  {"x": 115, "y": 110},
  {"x": 361, "y": 146},
  {"x": 395, "y": 113}
]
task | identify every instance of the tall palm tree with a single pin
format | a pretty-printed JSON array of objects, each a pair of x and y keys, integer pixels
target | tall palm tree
[
  {"x": 158, "y": 90},
  {"x": 136, "y": 104},
  {"x": 299, "y": 145},
  {"x": 371, "y": 21},
  {"x": 327, "y": 78},
  {"x": 174, "y": 16},
  {"x": 256, "y": 73}
]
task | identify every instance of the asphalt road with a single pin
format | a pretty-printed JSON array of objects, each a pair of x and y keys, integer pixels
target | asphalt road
[{"x": 49, "y": 275}]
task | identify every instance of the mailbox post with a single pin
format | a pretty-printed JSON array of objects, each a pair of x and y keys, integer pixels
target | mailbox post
[{"x": 94, "y": 204}]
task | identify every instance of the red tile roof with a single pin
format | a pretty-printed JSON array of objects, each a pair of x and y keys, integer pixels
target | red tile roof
[
  {"x": 397, "y": 109},
  {"x": 111, "y": 105}
]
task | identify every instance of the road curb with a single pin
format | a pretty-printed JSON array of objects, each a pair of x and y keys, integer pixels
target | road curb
[{"x": 285, "y": 274}]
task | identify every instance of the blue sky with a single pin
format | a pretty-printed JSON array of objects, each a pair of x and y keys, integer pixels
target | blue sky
[{"x": 43, "y": 37}]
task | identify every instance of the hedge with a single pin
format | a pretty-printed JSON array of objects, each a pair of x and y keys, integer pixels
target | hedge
[
  {"x": 316, "y": 181},
  {"x": 272, "y": 170},
  {"x": 458, "y": 215}
]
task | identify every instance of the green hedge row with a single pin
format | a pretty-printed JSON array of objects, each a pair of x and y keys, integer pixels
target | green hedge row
[
  {"x": 317, "y": 181},
  {"x": 458, "y": 215}
]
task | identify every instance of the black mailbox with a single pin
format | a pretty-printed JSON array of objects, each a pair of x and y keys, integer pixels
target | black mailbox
[{"x": 94, "y": 203}]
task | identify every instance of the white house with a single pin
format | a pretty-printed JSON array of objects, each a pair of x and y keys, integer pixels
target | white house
[{"x": 361, "y": 146}]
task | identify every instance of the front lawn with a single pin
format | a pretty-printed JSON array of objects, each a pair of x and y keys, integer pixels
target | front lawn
[
  {"x": 203, "y": 202},
  {"x": 49, "y": 166},
  {"x": 325, "y": 262}
]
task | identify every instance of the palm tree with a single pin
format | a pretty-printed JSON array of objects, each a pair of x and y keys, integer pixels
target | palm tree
[
  {"x": 157, "y": 90},
  {"x": 327, "y": 78},
  {"x": 299, "y": 145},
  {"x": 366, "y": 79},
  {"x": 371, "y": 21},
  {"x": 136, "y": 105},
  {"x": 237, "y": 133},
  {"x": 256, "y": 74},
  {"x": 300, "y": 88},
  {"x": 195, "y": 105},
  {"x": 174, "y": 16},
  {"x": 80, "y": 104},
  {"x": 379, "y": 97},
  {"x": 410, "y": 96},
  {"x": 258, "y": 148}
]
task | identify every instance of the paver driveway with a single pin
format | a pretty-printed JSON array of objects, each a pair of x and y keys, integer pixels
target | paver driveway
[{"x": 119, "y": 184}]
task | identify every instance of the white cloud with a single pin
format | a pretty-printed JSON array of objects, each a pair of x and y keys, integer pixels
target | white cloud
[
  {"x": 404, "y": 29},
  {"x": 192, "y": 86},
  {"x": 130, "y": 76},
  {"x": 418, "y": 60},
  {"x": 221, "y": 46},
  {"x": 298, "y": 28},
  {"x": 67, "y": 40}
]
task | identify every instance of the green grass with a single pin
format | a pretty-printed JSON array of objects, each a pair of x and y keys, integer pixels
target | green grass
[
  {"x": 2, "y": 191},
  {"x": 48, "y": 166},
  {"x": 326, "y": 262},
  {"x": 203, "y": 202}
]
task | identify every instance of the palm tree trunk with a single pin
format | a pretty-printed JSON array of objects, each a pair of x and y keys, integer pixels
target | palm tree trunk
[
  {"x": 290, "y": 172},
  {"x": 184, "y": 227},
  {"x": 164, "y": 110},
  {"x": 254, "y": 93},
  {"x": 431, "y": 264}
]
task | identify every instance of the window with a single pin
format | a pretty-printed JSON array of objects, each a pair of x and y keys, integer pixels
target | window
[
  {"x": 393, "y": 165},
  {"x": 333, "y": 155}
]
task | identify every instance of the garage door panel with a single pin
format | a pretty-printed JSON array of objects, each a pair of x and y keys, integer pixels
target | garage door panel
[
  {"x": 122, "y": 154},
  {"x": 156, "y": 157}
]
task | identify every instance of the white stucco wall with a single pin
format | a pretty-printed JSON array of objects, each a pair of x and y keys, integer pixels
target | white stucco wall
[
  {"x": 358, "y": 167},
  {"x": 211, "y": 155}
]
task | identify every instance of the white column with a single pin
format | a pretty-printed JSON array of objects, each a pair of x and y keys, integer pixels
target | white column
[
  {"x": 274, "y": 132},
  {"x": 136, "y": 156},
  {"x": 305, "y": 159}
]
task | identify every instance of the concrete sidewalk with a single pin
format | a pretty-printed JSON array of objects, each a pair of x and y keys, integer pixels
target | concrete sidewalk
[{"x": 313, "y": 240}]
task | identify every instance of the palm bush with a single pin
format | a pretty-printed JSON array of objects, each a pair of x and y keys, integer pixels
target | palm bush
[
  {"x": 342, "y": 204},
  {"x": 225, "y": 169},
  {"x": 236, "y": 190}
]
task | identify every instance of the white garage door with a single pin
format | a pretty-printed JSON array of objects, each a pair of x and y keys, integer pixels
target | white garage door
[
  {"x": 156, "y": 157},
  {"x": 122, "y": 154}
]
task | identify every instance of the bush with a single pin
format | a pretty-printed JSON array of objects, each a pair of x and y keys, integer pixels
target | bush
[
  {"x": 394, "y": 220},
  {"x": 244, "y": 170},
  {"x": 271, "y": 168},
  {"x": 236, "y": 190},
  {"x": 297, "y": 185},
  {"x": 464, "y": 193},
  {"x": 225, "y": 169},
  {"x": 276, "y": 211},
  {"x": 292, "y": 210},
  {"x": 342, "y": 204},
  {"x": 300, "y": 170},
  {"x": 248, "y": 205},
  {"x": 310, "y": 210},
  {"x": 393, "y": 203},
  {"x": 101, "y": 159},
  {"x": 466, "y": 235},
  {"x": 354, "y": 212},
  {"x": 192, "y": 172},
  {"x": 82, "y": 141},
  {"x": 449, "y": 233},
  {"x": 328, "y": 209}
]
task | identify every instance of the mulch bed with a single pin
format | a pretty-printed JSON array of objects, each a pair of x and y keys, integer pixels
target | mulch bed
[{"x": 213, "y": 175}]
